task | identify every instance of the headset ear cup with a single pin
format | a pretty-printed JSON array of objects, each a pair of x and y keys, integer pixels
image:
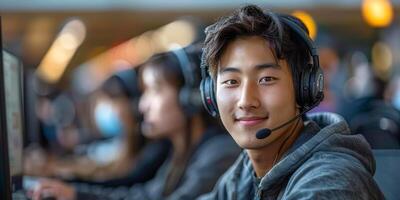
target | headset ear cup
[
  {"x": 309, "y": 77},
  {"x": 305, "y": 84},
  {"x": 208, "y": 96},
  {"x": 303, "y": 88},
  {"x": 312, "y": 86},
  {"x": 213, "y": 98},
  {"x": 317, "y": 85},
  {"x": 299, "y": 92},
  {"x": 204, "y": 96}
]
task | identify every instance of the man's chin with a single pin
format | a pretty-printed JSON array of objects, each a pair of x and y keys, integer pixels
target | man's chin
[{"x": 252, "y": 144}]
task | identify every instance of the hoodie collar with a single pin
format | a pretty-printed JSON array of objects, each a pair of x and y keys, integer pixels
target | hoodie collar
[{"x": 310, "y": 137}]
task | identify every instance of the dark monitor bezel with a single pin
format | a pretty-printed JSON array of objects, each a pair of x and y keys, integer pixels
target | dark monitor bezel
[
  {"x": 5, "y": 181},
  {"x": 9, "y": 184}
]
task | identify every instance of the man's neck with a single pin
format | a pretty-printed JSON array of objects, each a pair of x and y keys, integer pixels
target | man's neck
[{"x": 263, "y": 159}]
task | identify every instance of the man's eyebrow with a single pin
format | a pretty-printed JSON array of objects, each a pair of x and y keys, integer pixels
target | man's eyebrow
[
  {"x": 228, "y": 69},
  {"x": 268, "y": 65},
  {"x": 258, "y": 67}
]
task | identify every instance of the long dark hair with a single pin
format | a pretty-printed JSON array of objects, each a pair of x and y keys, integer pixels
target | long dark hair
[{"x": 167, "y": 68}]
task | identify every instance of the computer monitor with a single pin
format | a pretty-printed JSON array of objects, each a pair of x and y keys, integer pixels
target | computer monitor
[{"x": 11, "y": 124}]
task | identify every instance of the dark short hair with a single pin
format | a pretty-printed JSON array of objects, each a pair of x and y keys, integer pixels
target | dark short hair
[{"x": 251, "y": 20}]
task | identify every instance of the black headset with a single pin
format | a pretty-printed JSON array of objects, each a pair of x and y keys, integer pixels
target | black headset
[
  {"x": 311, "y": 84},
  {"x": 130, "y": 84},
  {"x": 189, "y": 94},
  {"x": 129, "y": 80}
]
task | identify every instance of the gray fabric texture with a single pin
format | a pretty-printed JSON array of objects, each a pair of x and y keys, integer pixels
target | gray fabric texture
[{"x": 325, "y": 162}]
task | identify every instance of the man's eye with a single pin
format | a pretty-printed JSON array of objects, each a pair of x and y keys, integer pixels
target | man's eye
[
  {"x": 230, "y": 82},
  {"x": 267, "y": 79}
]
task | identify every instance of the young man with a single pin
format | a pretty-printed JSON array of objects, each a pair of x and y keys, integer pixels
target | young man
[{"x": 265, "y": 73}]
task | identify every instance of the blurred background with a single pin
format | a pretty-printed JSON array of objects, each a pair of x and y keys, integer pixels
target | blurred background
[{"x": 69, "y": 48}]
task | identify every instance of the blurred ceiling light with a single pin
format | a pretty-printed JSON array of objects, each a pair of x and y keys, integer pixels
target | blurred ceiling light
[
  {"x": 68, "y": 41},
  {"x": 180, "y": 32},
  {"x": 62, "y": 56},
  {"x": 308, "y": 20},
  {"x": 143, "y": 45},
  {"x": 61, "y": 51},
  {"x": 377, "y": 13},
  {"x": 138, "y": 49},
  {"x": 382, "y": 59}
]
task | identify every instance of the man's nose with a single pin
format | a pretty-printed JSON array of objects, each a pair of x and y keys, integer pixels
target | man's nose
[{"x": 249, "y": 96}]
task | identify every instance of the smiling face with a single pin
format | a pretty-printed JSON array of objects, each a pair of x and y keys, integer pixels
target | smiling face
[{"x": 254, "y": 91}]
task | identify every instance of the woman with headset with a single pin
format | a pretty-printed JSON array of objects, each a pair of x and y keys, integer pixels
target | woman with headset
[
  {"x": 117, "y": 120},
  {"x": 171, "y": 107}
]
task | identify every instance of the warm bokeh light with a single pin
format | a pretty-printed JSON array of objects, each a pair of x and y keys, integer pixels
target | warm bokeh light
[
  {"x": 308, "y": 20},
  {"x": 61, "y": 51},
  {"x": 138, "y": 49},
  {"x": 377, "y": 13},
  {"x": 179, "y": 32},
  {"x": 382, "y": 59}
]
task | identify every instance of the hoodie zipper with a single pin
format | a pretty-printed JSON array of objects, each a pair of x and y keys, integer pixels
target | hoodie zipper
[{"x": 259, "y": 193}]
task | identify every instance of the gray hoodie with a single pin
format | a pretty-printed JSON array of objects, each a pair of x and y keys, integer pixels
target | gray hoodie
[{"x": 325, "y": 162}]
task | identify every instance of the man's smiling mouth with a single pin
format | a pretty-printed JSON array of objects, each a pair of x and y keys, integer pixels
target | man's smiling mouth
[{"x": 250, "y": 121}]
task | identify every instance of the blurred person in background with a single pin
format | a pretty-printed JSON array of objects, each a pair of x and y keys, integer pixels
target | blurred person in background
[
  {"x": 365, "y": 107},
  {"x": 172, "y": 109},
  {"x": 361, "y": 88},
  {"x": 55, "y": 112},
  {"x": 129, "y": 157},
  {"x": 119, "y": 154},
  {"x": 264, "y": 75},
  {"x": 58, "y": 132}
]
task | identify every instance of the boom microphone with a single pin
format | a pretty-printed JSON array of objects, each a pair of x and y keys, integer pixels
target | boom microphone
[{"x": 265, "y": 132}]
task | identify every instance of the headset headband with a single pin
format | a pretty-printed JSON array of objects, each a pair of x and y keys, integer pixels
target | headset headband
[
  {"x": 185, "y": 66},
  {"x": 304, "y": 37}
]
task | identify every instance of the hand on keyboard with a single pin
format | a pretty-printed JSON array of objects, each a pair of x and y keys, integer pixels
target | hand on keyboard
[{"x": 52, "y": 189}]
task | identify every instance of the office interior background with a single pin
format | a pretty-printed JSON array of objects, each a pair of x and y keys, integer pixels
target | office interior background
[{"x": 69, "y": 48}]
